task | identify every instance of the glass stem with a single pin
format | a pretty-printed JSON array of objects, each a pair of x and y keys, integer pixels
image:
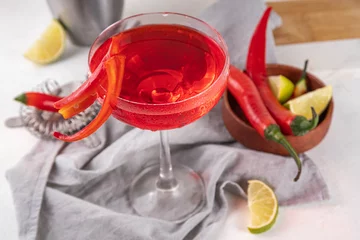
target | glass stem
[{"x": 166, "y": 179}]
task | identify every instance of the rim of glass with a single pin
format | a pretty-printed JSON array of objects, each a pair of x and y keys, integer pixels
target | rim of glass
[{"x": 224, "y": 48}]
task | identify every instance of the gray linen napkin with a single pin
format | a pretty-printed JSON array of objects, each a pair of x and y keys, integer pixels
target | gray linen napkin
[{"x": 70, "y": 191}]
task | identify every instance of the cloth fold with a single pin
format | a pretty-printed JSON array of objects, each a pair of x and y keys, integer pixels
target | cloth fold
[{"x": 70, "y": 191}]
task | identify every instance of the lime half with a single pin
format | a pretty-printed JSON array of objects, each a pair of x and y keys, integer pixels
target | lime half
[
  {"x": 263, "y": 206},
  {"x": 50, "y": 46},
  {"x": 318, "y": 99},
  {"x": 282, "y": 87}
]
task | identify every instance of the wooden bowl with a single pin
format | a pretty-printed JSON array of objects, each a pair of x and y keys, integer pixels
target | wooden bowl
[{"x": 238, "y": 126}]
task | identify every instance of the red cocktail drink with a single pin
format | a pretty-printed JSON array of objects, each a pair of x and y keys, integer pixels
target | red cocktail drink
[
  {"x": 175, "y": 70},
  {"x": 168, "y": 73}
]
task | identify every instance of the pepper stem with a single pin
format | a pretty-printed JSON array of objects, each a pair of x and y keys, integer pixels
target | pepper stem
[
  {"x": 21, "y": 98},
  {"x": 273, "y": 133},
  {"x": 315, "y": 119},
  {"x": 300, "y": 125},
  {"x": 293, "y": 153},
  {"x": 303, "y": 73}
]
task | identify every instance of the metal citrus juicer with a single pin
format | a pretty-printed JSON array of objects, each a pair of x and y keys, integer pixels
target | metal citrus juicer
[{"x": 42, "y": 123}]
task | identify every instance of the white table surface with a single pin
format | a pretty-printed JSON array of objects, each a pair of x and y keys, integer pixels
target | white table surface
[{"x": 337, "y": 63}]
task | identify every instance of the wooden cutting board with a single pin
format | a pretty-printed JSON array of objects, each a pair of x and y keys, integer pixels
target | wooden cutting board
[{"x": 316, "y": 20}]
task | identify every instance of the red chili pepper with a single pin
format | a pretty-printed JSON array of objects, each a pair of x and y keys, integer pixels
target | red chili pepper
[
  {"x": 248, "y": 97},
  {"x": 256, "y": 69},
  {"x": 300, "y": 86},
  {"x": 89, "y": 87},
  {"x": 78, "y": 107},
  {"x": 40, "y": 101},
  {"x": 115, "y": 72}
]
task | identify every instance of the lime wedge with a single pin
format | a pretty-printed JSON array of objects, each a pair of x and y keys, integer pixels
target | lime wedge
[
  {"x": 318, "y": 99},
  {"x": 263, "y": 206},
  {"x": 49, "y": 46},
  {"x": 282, "y": 87}
]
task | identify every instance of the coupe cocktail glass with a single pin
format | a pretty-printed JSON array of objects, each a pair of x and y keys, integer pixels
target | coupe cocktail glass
[{"x": 175, "y": 72}]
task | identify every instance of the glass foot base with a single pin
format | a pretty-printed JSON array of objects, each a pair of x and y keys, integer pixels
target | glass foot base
[{"x": 175, "y": 204}]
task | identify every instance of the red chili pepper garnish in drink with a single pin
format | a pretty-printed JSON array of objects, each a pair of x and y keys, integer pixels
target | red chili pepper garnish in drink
[
  {"x": 289, "y": 123},
  {"x": 89, "y": 87},
  {"x": 68, "y": 112},
  {"x": 38, "y": 100},
  {"x": 249, "y": 99},
  {"x": 115, "y": 72}
]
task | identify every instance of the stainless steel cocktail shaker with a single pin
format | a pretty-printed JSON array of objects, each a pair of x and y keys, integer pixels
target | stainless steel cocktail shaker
[{"x": 85, "y": 19}]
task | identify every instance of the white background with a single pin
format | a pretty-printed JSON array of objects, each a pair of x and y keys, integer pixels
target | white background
[{"x": 337, "y": 63}]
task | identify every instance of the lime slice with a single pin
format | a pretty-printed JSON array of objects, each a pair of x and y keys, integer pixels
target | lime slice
[
  {"x": 263, "y": 206},
  {"x": 49, "y": 46},
  {"x": 282, "y": 87},
  {"x": 318, "y": 99}
]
